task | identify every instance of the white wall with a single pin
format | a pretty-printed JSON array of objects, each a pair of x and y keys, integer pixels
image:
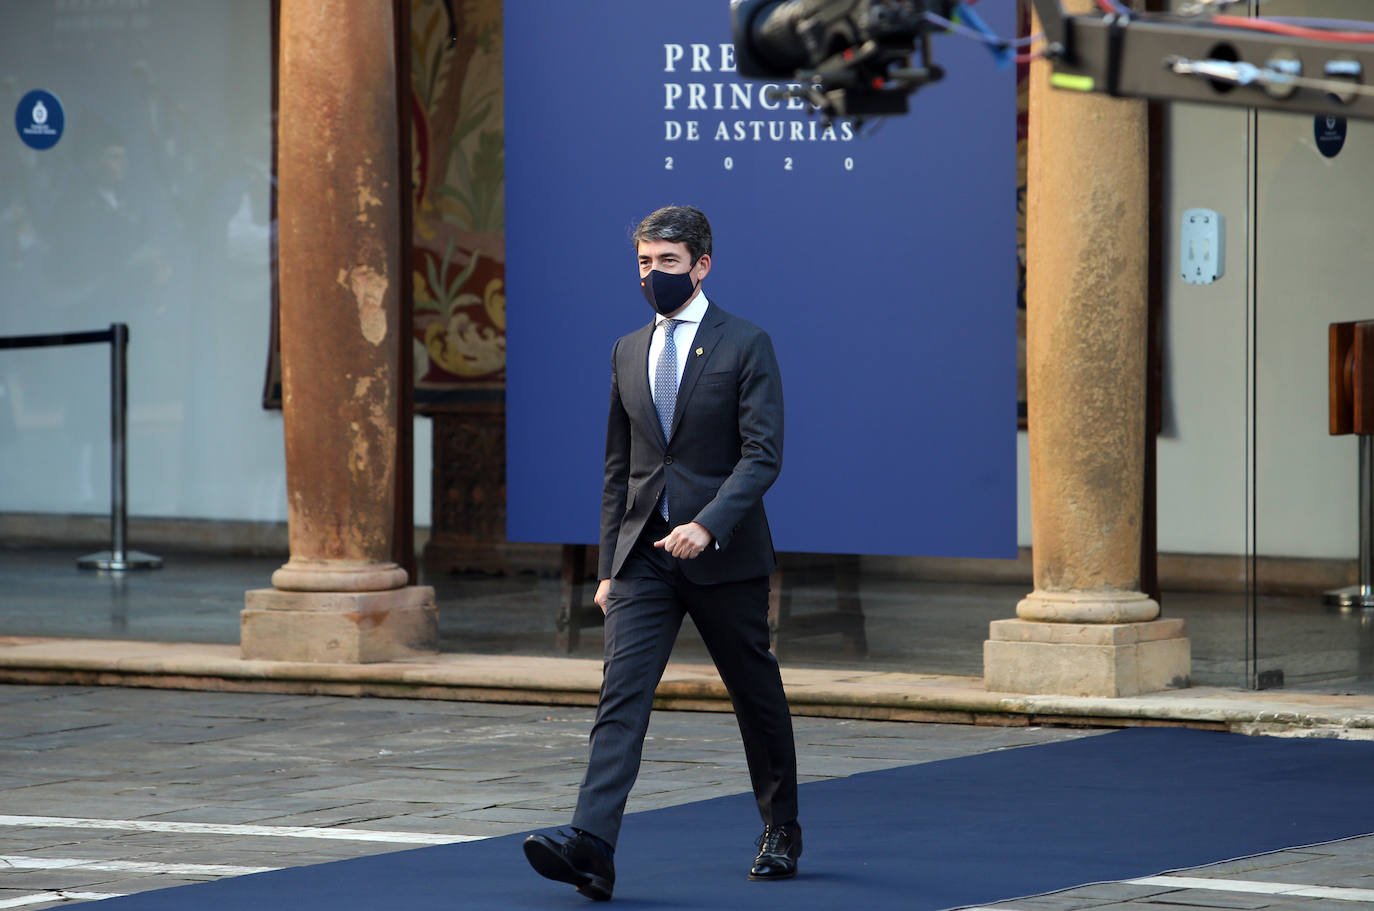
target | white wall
[
  {"x": 1023, "y": 516},
  {"x": 151, "y": 210},
  {"x": 1202, "y": 486},
  {"x": 1313, "y": 268},
  {"x": 1313, "y": 217}
]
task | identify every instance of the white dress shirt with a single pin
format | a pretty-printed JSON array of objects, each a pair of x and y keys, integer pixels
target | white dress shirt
[{"x": 689, "y": 319}]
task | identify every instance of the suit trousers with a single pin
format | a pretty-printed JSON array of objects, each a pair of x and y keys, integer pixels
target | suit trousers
[{"x": 645, "y": 609}]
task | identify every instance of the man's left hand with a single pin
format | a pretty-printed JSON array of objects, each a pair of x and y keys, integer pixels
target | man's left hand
[{"x": 686, "y": 541}]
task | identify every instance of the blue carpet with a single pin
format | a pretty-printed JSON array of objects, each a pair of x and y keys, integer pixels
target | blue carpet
[{"x": 938, "y": 835}]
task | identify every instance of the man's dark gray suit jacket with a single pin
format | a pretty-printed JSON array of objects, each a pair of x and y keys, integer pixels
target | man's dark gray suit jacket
[{"x": 723, "y": 452}]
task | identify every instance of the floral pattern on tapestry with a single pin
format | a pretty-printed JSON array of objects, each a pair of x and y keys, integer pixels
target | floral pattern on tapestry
[{"x": 458, "y": 176}]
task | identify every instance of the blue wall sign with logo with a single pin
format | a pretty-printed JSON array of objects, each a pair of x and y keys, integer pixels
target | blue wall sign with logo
[
  {"x": 39, "y": 119},
  {"x": 882, "y": 263},
  {"x": 1330, "y": 133}
]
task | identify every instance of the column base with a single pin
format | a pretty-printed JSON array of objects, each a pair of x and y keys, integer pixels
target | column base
[
  {"x": 1086, "y": 659},
  {"x": 1088, "y": 606},
  {"x": 339, "y": 627},
  {"x": 305, "y": 575}
]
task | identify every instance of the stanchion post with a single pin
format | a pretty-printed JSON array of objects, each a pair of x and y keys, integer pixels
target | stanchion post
[
  {"x": 118, "y": 558},
  {"x": 1361, "y": 595},
  {"x": 119, "y": 404},
  {"x": 1366, "y": 517}
]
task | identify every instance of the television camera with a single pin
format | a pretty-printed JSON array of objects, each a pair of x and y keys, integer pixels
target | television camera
[{"x": 852, "y": 58}]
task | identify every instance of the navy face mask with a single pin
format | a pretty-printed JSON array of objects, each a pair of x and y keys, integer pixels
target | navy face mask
[{"x": 667, "y": 291}]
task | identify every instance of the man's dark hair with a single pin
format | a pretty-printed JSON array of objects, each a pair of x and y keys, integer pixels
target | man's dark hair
[{"x": 677, "y": 225}]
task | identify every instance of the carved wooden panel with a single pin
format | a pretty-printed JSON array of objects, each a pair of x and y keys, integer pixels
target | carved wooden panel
[
  {"x": 468, "y": 498},
  {"x": 469, "y": 491}
]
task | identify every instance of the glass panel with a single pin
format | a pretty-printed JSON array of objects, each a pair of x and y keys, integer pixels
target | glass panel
[
  {"x": 1315, "y": 211},
  {"x": 1202, "y": 446},
  {"x": 151, "y": 209}
]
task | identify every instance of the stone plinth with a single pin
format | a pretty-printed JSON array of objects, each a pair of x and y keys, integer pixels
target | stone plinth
[
  {"x": 339, "y": 627},
  {"x": 1086, "y": 659}
]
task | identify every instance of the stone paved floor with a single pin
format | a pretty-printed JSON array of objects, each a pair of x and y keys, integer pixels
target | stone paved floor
[{"x": 136, "y": 760}]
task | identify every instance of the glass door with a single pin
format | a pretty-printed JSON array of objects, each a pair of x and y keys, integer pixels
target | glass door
[
  {"x": 1314, "y": 216},
  {"x": 1203, "y": 487}
]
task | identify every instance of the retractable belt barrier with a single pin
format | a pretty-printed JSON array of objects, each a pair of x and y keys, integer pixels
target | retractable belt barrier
[{"x": 117, "y": 558}]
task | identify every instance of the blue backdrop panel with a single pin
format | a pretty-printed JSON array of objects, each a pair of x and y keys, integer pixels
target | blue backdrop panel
[{"x": 882, "y": 264}]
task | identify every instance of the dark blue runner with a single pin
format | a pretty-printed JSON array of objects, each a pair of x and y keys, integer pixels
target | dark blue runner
[{"x": 938, "y": 835}]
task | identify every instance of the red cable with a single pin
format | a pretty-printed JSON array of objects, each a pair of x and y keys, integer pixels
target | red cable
[{"x": 1292, "y": 31}]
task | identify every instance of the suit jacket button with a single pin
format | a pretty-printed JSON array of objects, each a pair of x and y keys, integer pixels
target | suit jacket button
[{"x": 667, "y": 460}]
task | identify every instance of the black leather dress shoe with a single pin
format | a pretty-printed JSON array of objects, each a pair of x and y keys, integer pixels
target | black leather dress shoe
[
  {"x": 779, "y": 848},
  {"x": 574, "y": 859}
]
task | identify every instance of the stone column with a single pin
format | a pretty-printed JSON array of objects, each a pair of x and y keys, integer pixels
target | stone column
[
  {"x": 339, "y": 597},
  {"x": 1086, "y": 629}
]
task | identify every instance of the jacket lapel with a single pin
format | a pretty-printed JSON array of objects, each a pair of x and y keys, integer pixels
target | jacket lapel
[
  {"x": 640, "y": 397},
  {"x": 708, "y": 334}
]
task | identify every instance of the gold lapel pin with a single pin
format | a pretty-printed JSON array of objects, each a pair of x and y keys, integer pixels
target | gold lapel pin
[{"x": 699, "y": 351}]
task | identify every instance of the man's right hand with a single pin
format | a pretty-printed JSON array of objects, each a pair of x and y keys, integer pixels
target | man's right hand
[{"x": 603, "y": 594}]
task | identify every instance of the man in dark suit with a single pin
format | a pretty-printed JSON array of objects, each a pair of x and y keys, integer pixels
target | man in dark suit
[{"x": 693, "y": 441}]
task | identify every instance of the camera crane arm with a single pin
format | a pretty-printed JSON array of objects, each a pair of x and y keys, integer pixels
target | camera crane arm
[
  {"x": 853, "y": 58},
  {"x": 1175, "y": 59}
]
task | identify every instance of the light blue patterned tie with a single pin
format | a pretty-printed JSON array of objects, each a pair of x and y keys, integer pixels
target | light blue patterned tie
[{"x": 665, "y": 392}]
